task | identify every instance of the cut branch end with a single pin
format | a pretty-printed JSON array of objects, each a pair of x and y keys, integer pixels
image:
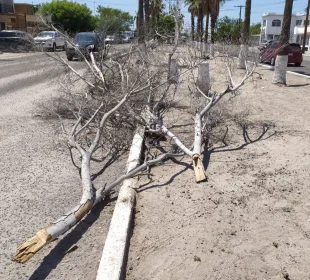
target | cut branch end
[
  {"x": 200, "y": 172},
  {"x": 31, "y": 246}
]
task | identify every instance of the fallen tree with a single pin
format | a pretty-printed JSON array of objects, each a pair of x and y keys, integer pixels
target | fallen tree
[{"x": 121, "y": 92}]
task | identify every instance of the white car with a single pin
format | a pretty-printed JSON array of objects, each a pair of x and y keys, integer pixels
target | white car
[
  {"x": 50, "y": 40},
  {"x": 125, "y": 39},
  {"x": 110, "y": 39}
]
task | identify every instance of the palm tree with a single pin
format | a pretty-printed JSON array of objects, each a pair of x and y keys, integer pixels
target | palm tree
[
  {"x": 214, "y": 6},
  {"x": 191, "y": 8},
  {"x": 206, "y": 12},
  {"x": 147, "y": 17},
  {"x": 279, "y": 76},
  {"x": 140, "y": 21},
  {"x": 245, "y": 35},
  {"x": 155, "y": 9}
]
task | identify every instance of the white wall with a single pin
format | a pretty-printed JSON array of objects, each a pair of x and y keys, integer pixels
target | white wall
[{"x": 276, "y": 30}]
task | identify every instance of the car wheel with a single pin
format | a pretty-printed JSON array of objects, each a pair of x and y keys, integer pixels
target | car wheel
[
  {"x": 297, "y": 64},
  {"x": 54, "y": 47},
  {"x": 64, "y": 47},
  {"x": 69, "y": 57},
  {"x": 272, "y": 62}
]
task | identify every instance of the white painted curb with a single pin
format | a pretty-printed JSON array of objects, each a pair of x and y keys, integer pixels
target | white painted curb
[
  {"x": 297, "y": 74},
  {"x": 115, "y": 249},
  {"x": 290, "y": 72}
]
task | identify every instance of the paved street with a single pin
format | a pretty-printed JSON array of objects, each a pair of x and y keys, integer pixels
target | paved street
[{"x": 38, "y": 180}]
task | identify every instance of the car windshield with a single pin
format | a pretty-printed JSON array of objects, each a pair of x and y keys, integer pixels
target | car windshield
[
  {"x": 89, "y": 38},
  {"x": 10, "y": 34},
  {"x": 46, "y": 34},
  {"x": 295, "y": 46}
]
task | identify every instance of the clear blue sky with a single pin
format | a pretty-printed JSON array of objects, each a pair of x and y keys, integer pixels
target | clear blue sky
[{"x": 258, "y": 7}]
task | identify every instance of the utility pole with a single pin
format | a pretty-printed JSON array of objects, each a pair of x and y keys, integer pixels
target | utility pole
[
  {"x": 240, "y": 6},
  {"x": 305, "y": 31}
]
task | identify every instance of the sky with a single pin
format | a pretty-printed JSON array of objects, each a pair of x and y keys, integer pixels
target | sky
[{"x": 258, "y": 7}]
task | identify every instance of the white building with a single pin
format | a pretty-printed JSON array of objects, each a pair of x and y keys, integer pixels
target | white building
[{"x": 272, "y": 25}]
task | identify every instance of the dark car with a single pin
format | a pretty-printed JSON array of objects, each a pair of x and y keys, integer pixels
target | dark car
[
  {"x": 15, "y": 40},
  {"x": 84, "y": 42},
  {"x": 269, "y": 53}
]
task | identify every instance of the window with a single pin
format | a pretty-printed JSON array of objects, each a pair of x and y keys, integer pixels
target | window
[
  {"x": 298, "y": 22},
  {"x": 13, "y": 20},
  {"x": 269, "y": 36},
  {"x": 264, "y": 23},
  {"x": 305, "y": 22},
  {"x": 276, "y": 37},
  {"x": 276, "y": 22}
]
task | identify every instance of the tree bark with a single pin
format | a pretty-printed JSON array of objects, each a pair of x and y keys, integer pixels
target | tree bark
[
  {"x": 140, "y": 21},
  {"x": 213, "y": 23},
  {"x": 147, "y": 17},
  {"x": 193, "y": 26},
  {"x": 245, "y": 36},
  {"x": 197, "y": 28},
  {"x": 207, "y": 28},
  {"x": 279, "y": 76}
]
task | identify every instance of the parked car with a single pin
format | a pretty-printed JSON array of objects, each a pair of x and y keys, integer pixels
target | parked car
[
  {"x": 15, "y": 40},
  {"x": 265, "y": 44},
  {"x": 110, "y": 39},
  {"x": 84, "y": 42},
  {"x": 50, "y": 40},
  {"x": 125, "y": 39},
  {"x": 269, "y": 53}
]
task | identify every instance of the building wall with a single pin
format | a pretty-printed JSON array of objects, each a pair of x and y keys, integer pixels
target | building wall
[
  {"x": 23, "y": 9},
  {"x": 7, "y": 21},
  {"x": 23, "y": 19},
  {"x": 269, "y": 32}
]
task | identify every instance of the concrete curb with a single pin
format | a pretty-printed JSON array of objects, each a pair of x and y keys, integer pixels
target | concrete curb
[
  {"x": 112, "y": 262},
  {"x": 290, "y": 72}
]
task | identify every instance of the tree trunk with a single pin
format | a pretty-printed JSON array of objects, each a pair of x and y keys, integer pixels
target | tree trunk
[
  {"x": 207, "y": 28},
  {"x": 147, "y": 18},
  {"x": 193, "y": 26},
  {"x": 279, "y": 76},
  {"x": 197, "y": 28},
  {"x": 201, "y": 24},
  {"x": 213, "y": 23},
  {"x": 245, "y": 36},
  {"x": 140, "y": 21}
]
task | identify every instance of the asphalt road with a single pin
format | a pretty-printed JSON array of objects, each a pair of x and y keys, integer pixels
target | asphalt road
[
  {"x": 38, "y": 181},
  {"x": 304, "y": 68}
]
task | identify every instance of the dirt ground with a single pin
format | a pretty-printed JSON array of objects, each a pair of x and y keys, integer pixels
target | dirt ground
[
  {"x": 250, "y": 219},
  {"x": 39, "y": 182}
]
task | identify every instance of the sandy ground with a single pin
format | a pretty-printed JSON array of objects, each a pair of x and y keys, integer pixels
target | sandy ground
[
  {"x": 38, "y": 181},
  {"x": 250, "y": 219}
]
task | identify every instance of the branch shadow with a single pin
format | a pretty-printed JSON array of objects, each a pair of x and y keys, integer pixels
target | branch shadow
[
  {"x": 186, "y": 167},
  {"x": 56, "y": 255},
  {"x": 247, "y": 141},
  {"x": 111, "y": 160}
]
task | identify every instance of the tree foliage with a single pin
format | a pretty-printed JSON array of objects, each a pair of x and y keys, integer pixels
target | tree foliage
[
  {"x": 113, "y": 20},
  {"x": 255, "y": 28},
  {"x": 69, "y": 16},
  {"x": 228, "y": 31}
]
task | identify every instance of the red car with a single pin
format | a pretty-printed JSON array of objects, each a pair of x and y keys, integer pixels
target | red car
[{"x": 269, "y": 53}]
